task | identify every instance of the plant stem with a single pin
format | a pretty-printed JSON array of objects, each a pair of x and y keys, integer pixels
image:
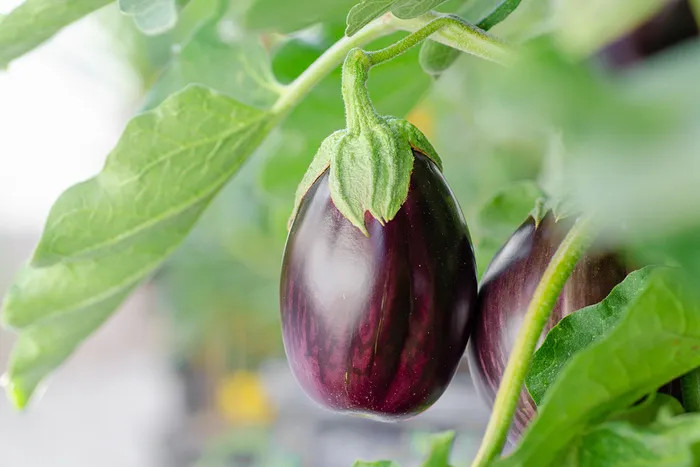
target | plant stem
[
  {"x": 449, "y": 30},
  {"x": 690, "y": 388},
  {"x": 543, "y": 300},
  {"x": 456, "y": 33},
  {"x": 330, "y": 59}
]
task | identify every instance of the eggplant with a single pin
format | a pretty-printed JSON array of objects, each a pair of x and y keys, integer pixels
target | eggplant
[
  {"x": 505, "y": 293},
  {"x": 377, "y": 324},
  {"x": 674, "y": 24}
]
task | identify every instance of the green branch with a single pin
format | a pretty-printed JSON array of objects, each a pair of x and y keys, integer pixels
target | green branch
[
  {"x": 447, "y": 29},
  {"x": 453, "y": 31}
]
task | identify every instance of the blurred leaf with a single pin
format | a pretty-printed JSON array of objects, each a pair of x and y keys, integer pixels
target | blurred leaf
[
  {"x": 103, "y": 236},
  {"x": 579, "y": 330},
  {"x": 288, "y": 16},
  {"x": 668, "y": 441},
  {"x": 630, "y": 139},
  {"x": 151, "y": 16},
  {"x": 375, "y": 464},
  {"x": 649, "y": 409},
  {"x": 583, "y": 27},
  {"x": 497, "y": 13},
  {"x": 295, "y": 56},
  {"x": 500, "y": 217},
  {"x": 364, "y": 12},
  {"x": 530, "y": 19},
  {"x": 237, "y": 67},
  {"x": 656, "y": 340},
  {"x": 34, "y": 21},
  {"x": 440, "y": 447},
  {"x": 436, "y": 57}
]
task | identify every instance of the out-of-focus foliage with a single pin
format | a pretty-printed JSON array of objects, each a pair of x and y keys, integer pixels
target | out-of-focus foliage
[
  {"x": 34, "y": 21},
  {"x": 151, "y": 16},
  {"x": 438, "y": 453}
]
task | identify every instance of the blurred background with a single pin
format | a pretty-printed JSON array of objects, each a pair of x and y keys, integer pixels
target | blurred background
[{"x": 191, "y": 369}]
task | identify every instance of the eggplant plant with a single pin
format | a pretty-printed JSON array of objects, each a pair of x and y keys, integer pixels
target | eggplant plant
[{"x": 567, "y": 134}]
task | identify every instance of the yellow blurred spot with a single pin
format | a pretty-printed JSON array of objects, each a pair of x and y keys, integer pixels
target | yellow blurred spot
[
  {"x": 241, "y": 399},
  {"x": 422, "y": 118}
]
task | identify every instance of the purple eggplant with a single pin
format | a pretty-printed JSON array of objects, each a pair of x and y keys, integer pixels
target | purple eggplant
[
  {"x": 377, "y": 324},
  {"x": 675, "y": 23},
  {"x": 505, "y": 292}
]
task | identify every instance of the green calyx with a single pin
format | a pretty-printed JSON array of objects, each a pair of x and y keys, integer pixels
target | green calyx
[{"x": 370, "y": 162}]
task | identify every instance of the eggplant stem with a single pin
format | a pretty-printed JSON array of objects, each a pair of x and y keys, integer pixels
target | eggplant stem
[
  {"x": 450, "y": 30},
  {"x": 539, "y": 310}
]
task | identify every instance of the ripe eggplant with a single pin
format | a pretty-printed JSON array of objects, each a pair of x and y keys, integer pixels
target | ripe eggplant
[
  {"x": 505, "y": 292},
  {"x": 674, "y": 24},
  {"x": 377, "y": 324}
]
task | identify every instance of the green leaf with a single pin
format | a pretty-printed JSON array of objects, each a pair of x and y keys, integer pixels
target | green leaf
[
  {"x": 151, "y": 16},
  {"x": 500, "y": 216},
  {"x": 579, "y": 330},
  {"x": 237, "y": 67},
  {"x": 407, "y": 9},
  {"x": 105, "y": 235},
  {"x": 656, "y": 340},
  {"x": 440, "y": 447},
  {"x": 35, "y": 21},
  {"x": 668, "y": 441},
  {"x": 583, "y": 27},
  {"x": 364, "y": 12},
  {"x": 285, "y": 16}
]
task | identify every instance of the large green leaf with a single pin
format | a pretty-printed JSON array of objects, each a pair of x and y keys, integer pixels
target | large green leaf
[
  {"x": 579, "y": 330},
  {"x": 104, "y": 235},
  {"x": 34, "y": 21},
  {"x": 670, "y": 441},
  {"x": 656, "y": 340},
  {"x": 286, "y": 16}
]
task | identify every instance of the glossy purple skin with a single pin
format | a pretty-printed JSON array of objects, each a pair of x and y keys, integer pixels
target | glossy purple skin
[
  {"x": 377, "y": 325},
  {"x": 505, "y": 292}
]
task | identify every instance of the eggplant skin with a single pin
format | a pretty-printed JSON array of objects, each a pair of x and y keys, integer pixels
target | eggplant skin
[
  {"x": 377, "y": 325},
  {"x": 505, "y": 293}
]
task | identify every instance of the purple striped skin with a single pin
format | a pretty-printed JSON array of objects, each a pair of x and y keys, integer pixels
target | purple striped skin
[
  {"x": 377, "y": 325},
  {"x": 504, "y": 295}
]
